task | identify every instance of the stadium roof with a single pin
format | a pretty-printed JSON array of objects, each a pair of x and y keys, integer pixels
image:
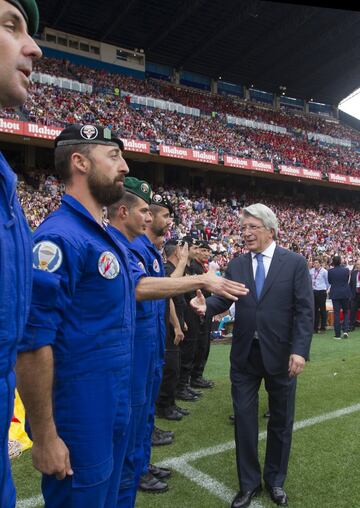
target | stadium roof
[{"x": 312, "y": 50}]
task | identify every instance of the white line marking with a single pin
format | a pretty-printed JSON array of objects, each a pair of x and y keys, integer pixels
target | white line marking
[
  {"x": 213, "y": 450},
  {"x": 205, "y": 481},
  {"x": 30, "y": 502}
]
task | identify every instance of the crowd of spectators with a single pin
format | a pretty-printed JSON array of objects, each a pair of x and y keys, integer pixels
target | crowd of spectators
[
  {"x": 103, "y": 81},
  {"x": 318, "y": 229},
  {"x": 51, "y": 105}
]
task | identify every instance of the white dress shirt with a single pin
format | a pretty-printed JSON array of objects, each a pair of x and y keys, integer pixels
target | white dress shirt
[{"x": 268, "y": 255}]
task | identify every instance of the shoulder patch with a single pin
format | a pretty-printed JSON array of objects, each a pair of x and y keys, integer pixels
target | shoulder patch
[
  {"x": 47, "y": 256},
  {"x": 156, "y": 266},
  {"x": 108, "y": 265},
  {"x": 141, "y": 266}
]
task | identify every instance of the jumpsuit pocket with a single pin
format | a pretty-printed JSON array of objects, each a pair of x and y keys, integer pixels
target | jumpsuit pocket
[{"x": 88, "y": 476}]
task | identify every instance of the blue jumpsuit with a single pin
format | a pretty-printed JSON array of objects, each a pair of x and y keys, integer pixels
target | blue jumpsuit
[
  {"x": 89, "y": 322},
  {"x": 143, "y": 361},
  {"x": 15, "y": 296},
  {"x": 155, "y": 268}
]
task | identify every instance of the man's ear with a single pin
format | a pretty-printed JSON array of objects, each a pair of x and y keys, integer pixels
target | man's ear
[
  {"x": 80, "y": 162},
  {"x": 123, "y": 212}
]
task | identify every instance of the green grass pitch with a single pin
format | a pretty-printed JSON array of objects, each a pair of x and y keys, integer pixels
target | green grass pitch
[{"x": 324, "y": 465}]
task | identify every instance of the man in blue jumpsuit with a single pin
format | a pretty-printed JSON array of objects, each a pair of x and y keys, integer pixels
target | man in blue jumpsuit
[
  {"x": 130, "y": 218},
  {"x": 80, "y": 332},
  {"x": 161, "y": 210},
  {"x": 19, "y": 20}
]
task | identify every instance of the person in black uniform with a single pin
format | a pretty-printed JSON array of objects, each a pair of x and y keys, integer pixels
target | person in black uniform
[
  {"x": 200, "y": 265},
  {"x": 191, "y": 330},
  {"x": 176, "y": 259}
]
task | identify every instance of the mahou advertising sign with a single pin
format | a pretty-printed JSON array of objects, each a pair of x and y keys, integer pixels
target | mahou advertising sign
[
  {"x": 11, "y": 126},
  {"x": 238, "y": 162},
  {"x": 334, "y": 177},
  {"x": 41, "y": 131},
  {"x": 178, "y": 152},
  {"x": 133, "y": 145}
]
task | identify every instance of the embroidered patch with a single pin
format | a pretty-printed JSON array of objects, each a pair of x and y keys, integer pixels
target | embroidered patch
[
  {"x": 156, "y": 266},
  {"x": 108, "y": 265},
  {"x": 47, "y": 256},
  {"x": 89, "y": 132},
  {"x": 141, "y": 266}
]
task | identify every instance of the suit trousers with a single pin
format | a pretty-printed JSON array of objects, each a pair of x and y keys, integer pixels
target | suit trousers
[
  {"x": 338, "y": 304},
  {"x": 281, "y": 393},
  {"x": 355, "y": 306},
  {"x": 320, "y": 309}
]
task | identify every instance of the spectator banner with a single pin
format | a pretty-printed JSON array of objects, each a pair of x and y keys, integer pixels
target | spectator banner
[
  {"x": 133, "y": 145},
  {"x": 177, "y": 152},
  {"x": 237, "y": 162},
  {"x": 41, "y": 131}
]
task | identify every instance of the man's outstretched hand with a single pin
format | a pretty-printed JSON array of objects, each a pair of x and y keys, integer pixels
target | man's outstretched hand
[
  {"x": 199, "y": 303},
  {"x": 224, "y": 287}
]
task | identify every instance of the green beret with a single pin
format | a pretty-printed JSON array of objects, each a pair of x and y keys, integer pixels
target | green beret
[
  {"x": 30, "y": 11},
  {"x": 78, "y": 134},
  {"x": 138, "y": 187}
]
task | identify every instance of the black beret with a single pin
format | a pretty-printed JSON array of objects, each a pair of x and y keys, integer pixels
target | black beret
[
  {"x": 203, "y": 244},
  {"x": 190, "y": 240},
  {"x": 77, "y": 134},
  {"x": 30, "y": 11},
  {"x": 138, "y": 187},
  {"x": 161, "y": 200}
]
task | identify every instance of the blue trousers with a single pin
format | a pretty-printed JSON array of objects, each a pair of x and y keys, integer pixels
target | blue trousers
[
  {"x": 154, "y": 389},
  {"x": 92, "y": 415},
  {"x": 7, "y": 489},
  {"x": 143, "y": 368},
  {"x": 344, "y": 304},
  {"x": 72, "y": 493}
]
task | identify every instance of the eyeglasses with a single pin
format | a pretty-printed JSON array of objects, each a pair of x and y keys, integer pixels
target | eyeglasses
[{"x": 251, "y": 227}]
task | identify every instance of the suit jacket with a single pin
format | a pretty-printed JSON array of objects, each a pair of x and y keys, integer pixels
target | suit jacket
[
  {"x": 353, "y": 278},
  {"x": 339, "y": 279},
  {"x": 283, "y": 316}
]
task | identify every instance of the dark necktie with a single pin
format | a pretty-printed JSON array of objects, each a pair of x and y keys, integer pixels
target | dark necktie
[{"x": 260, "y": 274}]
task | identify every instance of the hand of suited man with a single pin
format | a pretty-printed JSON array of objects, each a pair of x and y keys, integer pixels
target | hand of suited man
[{"x": 199, "y": 303}]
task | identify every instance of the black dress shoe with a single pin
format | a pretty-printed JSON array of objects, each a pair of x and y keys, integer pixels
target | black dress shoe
[
  {"x": 164, "y": 432},
  {"x": 158, "y": 439},
  {"x": 200, "y": 382},
  {"x": 168, "y": 413},
  {"x": 149, "y": 483},
  {"x": 186, "y": 395},
  {"x": 197, "y": 393},
  {"x": 278, "y": 495},
  {"x": 160, "y": 472},
  {"x": 181, "y": 410},
  {"x": 243, "y": 498}
]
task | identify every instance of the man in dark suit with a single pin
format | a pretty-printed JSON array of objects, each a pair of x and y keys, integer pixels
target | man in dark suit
[
  {"x": 271, "y": 341},
  {"x": 340, "y": 294},
  {"x": 355, "y": 294}
]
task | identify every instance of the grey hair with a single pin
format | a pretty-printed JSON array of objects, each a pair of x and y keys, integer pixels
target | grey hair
[{"x": 263, "y": 213}]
